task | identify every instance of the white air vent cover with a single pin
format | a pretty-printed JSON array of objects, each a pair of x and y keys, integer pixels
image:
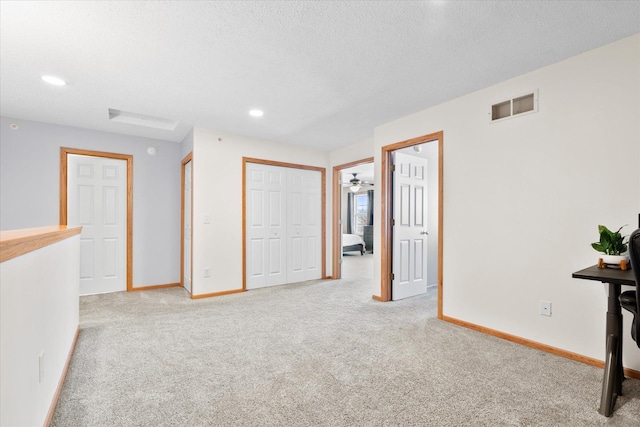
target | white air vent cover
[
  {"x": 141, "y": 120},
  {"x": 523, "y": 104}
]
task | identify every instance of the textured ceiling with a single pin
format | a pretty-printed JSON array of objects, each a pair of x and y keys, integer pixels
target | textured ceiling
[{"x": 325, "y": 73}]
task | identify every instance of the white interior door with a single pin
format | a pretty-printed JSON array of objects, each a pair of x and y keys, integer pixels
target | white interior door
[
  {"x": 186, "y": 255},
  {"x": 304, "y": 232},
  {"x": 97, "y": 200},
  {"x": 266, "y": 232},
  {"x": 409, "y": 261}
]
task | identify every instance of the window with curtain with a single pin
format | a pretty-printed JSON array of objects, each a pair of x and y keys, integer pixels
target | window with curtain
[{"x": 361, "y": 212}]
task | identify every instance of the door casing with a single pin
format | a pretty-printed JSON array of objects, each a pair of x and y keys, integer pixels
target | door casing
[
  {"x": 386, "y": 198},
  {"x": 336, "y": 227},
  {"x": 64, "y": 151}
]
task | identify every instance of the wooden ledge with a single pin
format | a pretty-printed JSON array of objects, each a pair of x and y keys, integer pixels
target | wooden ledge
[{"x": 14, "y": 243}]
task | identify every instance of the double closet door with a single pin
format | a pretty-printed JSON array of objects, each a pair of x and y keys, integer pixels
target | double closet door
[{"x": 284, "y": 228}]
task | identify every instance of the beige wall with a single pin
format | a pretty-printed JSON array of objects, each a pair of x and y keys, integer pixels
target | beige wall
[
  {"x": 39, "y": 316},
  {"x": 217, "y": 191},
  {"x": 523, "y": 197}
]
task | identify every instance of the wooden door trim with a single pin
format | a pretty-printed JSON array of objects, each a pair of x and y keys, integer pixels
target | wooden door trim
[
  {"x": 323, "y": 195},
  {"x": 188, "y": 158},
  {"x": 64, "y": 151},
  {"x": 336, "y": 214},
  {"x": 387, "y": 214}
]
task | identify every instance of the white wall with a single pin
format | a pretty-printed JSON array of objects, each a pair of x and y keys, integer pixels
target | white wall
[
  {"x": 186, "y": 146},
  {"x": 217, "y": 191},
  {"x": 30, "y": 189},
  {"x": 39, "y": 314},
  {"x": 523, "y": 197}
]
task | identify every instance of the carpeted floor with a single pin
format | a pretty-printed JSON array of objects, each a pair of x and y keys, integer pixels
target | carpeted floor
[{"x": 314, "y": 354}]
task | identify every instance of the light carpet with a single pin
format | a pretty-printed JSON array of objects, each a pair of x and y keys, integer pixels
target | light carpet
[{"x": 318, "y": 353}]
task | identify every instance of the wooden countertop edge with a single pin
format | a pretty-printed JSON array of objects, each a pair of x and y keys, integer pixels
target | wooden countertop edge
[{"x": 15, "y": 243}]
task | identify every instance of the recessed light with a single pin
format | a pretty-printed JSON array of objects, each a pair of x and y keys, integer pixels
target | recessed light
[
  {"x": 256, "y": 113},
  {"x": 54, "y": 80}
]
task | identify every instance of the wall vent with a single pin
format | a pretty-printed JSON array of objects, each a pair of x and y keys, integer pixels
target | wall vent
[{"x": 523, "y": 104}]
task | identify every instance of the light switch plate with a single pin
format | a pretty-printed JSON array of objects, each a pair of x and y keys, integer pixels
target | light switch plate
[{"x": 545, "y": 308}]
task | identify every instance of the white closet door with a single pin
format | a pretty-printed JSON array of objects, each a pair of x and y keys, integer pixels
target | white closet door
[
  {"x": 284, "y": 225},
  {"x": 304, "y": 221},
  {"x": 97, "y": 200},
  {"x": 266, "y": 226}
]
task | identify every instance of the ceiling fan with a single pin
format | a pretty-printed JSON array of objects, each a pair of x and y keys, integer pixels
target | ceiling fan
[{"x": 356, "y": 184}]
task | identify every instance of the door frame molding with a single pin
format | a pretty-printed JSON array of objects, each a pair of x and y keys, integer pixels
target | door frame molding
[
  {"x": 188, "y": 158},
  {"x": 323, "y": 208},
  {"x": 336, "y": 203},
  {"x": 64, "y": 151},
  {"x": 386, "y": 231}
]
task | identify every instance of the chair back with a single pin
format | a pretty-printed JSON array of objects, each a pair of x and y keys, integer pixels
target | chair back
[{"x": 634, "y": 254}]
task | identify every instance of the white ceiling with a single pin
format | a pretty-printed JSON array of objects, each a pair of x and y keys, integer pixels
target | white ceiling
[
  {"x": 325, "y": 73},
  {"x": 364, "y": 173}
]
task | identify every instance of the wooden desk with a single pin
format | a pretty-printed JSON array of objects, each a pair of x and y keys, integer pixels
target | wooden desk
[{"x": 613, "y": 372}]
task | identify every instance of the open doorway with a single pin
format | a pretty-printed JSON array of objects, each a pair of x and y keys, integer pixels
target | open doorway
[
  {"x": 398, "y": 198},
  {"x": 186, "y": 264},
  {"x": 353, "y": 213}
]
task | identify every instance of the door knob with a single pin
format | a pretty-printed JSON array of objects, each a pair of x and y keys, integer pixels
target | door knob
[{"x": 424, "y": 232}]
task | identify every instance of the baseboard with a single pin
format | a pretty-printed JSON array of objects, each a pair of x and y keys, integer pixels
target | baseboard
[
  {"x": 377, "y": 298},
  {"x": 631, "y": 373},
  {"x": 54, "y": 401},
  {"x": 217, "y": 294},
  {"x": 148, "y": 288}
]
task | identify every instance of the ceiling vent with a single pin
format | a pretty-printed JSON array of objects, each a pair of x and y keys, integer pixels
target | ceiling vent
[
  {"x": 523, "y": 104},
  {"x": 141, "y": 120}
]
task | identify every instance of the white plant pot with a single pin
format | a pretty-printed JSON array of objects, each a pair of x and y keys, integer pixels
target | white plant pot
[{"x": 614, "y": 259}]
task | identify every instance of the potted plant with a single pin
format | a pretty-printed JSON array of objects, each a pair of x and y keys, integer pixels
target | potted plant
[{"x": 612, "y": 245}]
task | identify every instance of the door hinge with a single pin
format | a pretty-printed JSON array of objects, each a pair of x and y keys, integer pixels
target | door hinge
[
  {"x": 340, "y": 261},
  {"x": 393, "y": 276},
  {"x": 393, "y": 222},
  {"x": 393, "y": 168}
]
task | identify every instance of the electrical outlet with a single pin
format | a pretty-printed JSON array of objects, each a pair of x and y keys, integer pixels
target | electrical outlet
[
  {"x": 545, "y": 308},
  {"x": 206, "y": 272},
  {"x": 41, "y": 366}
]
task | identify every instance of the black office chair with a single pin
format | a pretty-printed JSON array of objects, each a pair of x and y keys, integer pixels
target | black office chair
[{"x": 629, "y": 300}]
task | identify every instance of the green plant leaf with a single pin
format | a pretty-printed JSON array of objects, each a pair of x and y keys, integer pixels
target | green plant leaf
[{"x": 611, "y": 243}]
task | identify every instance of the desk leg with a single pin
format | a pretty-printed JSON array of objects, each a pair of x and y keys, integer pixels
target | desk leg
[
  {"x": 609, "y": 382},
  {"x": 613, "y": 371}
]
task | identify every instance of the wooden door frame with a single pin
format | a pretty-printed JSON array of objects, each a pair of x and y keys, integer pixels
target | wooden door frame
[
  {"x": 64, "y": 151},
  {"x": 323, "y": 195},
  {"x": 336, "y": 203},
  {"x": 386, "y": 231},
  {"x": 188, "y": 158}
]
